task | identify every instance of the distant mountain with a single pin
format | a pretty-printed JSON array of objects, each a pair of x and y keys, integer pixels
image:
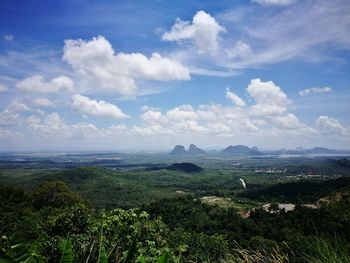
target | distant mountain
[
  {"x": 185, "y": 167},
  {"x": 194, "y": 150},
  {"x": 240, "y": 150},
  {"x": 319, "y": 150},
  {"x": 255, "y": 148},
  {"x": 178, "y": 150},
  {"x": 315, "y": 150}
]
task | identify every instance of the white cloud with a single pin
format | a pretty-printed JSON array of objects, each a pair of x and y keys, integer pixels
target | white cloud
[
  {"x": 6, "y": 133},
  {"x": 8, "y": 118},
  {"x": 203, "y": 32},
  {"x": 330, "y": 125},
  {"x": 234, "y": 98},
  {"x": 274, "y": 2},
  {"x": 16, "y": 106},
  {"x": 240, "y": 50},
  {"x": 270, "y": 99},
  {"x": 8, "y": 37},
  {"x": 288, "y": 121},
  {"x": 316, "y": 90},
  {"x": 146, "y": 108},
  {"x": 309, "y": 30},
  {"x": 183, "y": 112},
  {"x": 119, "y": 72},
  {"x": 100, "y": 108},
  {"x": 312, "y": 31},
  {"x": 33, "y": 120},
  {"x": 3, "y": 88},
  {"x": 270, "y": 106},
  {"x": 43, "y": 102},
  {"x": 38, "y": 84},
  {"x": 54, "y": 126},
  {"x": 153, "y": 117}
]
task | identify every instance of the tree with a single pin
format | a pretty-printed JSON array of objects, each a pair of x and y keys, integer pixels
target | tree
[{"x": 54, "y": 194}]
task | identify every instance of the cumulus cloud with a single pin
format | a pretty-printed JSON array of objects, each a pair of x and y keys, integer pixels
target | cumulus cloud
[
  {"x": 10, "y": 116},
  {"x": 270, "y": 99},
  {"x": 183, "y": 112},
  {"x": 274, "y": 2},
  {"x": 289, "y": 122},
  {"x": 100, "y": 108},
  {"x": 119, "y": 72},
  {"x": 186, "y": 120},
  {"x": 38, "y": 84},
  {"x": 240, "y": 50},
  {"x": 3, "y": 88},
  {"x": 33, "y": 120},
  {"x": 16, "y": 106},
  {"x": 153, "y": 117},
  {"x": 43, "y": 102},
  {"x": 54, "y": 126},
  {"x": 268, "y": 116},
  {"x": 303, "y": 31},
  {"x": 203, "y": 32},
  {"x": 330, "y": 125},
  {"x": 316, "y": 90},
  {"x": 234, "y": 98}
]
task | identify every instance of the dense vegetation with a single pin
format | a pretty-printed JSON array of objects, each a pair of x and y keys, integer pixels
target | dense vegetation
[
  {"x": 180, "y": 227},
  {"x": 298, "y": 192},
  {"x": 140, "y": 215}
]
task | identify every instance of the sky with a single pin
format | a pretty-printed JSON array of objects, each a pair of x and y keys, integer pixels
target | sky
[{"x": 114, "y": 75}]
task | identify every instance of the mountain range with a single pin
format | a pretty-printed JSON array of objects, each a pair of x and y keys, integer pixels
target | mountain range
[
  {"x": 247, "y": 151},
  {"x": 192, "y": 150}
]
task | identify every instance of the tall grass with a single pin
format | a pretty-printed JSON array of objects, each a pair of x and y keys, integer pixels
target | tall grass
[
  {"x": 325, "y": 251},
  {"x": 241, "y": 255}
]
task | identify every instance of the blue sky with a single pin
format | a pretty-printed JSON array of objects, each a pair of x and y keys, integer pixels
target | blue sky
[{"x": 146, "y": 75}]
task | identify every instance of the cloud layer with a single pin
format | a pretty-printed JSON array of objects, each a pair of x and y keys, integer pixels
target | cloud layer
[
  {"x": 38, "y": 84},
  {"x": 100, "y": 108},
  {"x": 315, "y": 90},
  {"x": 274, "y": 2},
  {"x": 119, "y": 72}
]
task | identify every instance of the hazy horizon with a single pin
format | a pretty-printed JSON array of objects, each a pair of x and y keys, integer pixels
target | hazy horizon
[{"x": 155, "y": 150}]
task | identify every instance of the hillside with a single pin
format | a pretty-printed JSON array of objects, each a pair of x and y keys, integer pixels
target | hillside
[
  {"x": 185, "y": 167},
  {"x": 194, "y": 150},
  {"x": 178, "y": 150},
  {"x": 240, "y": 150}
]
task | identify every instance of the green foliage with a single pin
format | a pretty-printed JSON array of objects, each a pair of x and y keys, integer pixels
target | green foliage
[
  {"x": 13, "y": 250},
  {"x": 324, "y": 251},
  {"x": 73, "y": 220},
  {"x": 241, "y": 255},
  {"x": 54, "y": 194},
  {"x": 67, "y": 251},
  {"x": 305, "y": 191},
  {"x": 177, "y": 229},
  {"x": 102, "y": 257},
  {"x": 163, "y": 258},
  {"x": 129, "y": 255},
  {"x": 121, "y": 228}
]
